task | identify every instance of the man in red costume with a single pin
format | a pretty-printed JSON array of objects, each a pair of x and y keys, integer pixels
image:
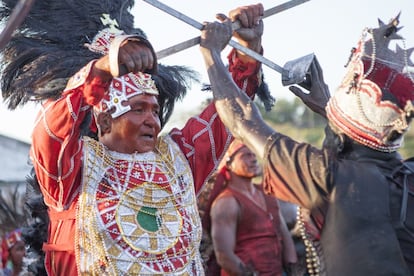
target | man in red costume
[
  {"x": 249, "y": 233},
  {"x": 126, "y": 203}
]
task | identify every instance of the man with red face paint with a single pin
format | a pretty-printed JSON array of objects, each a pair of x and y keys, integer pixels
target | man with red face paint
[
  {"x": 125, "y": 203},
  {"x": 249, "y": 233}
]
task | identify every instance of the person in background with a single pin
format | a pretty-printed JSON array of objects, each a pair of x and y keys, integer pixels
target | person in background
[
  {"x": 357, "y": 180},
  {"x": 249, "y": 233},
  {"x": 13, "y": 251}
]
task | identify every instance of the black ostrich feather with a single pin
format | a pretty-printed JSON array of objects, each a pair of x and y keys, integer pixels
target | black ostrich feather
[
  {"x": 12, "y": 212},
  {"x": 172, "y": 83},
  {"x": 263, "y": 93},
  {"x": 48, "y": 48},
  {"x": 35, "y": 234}
]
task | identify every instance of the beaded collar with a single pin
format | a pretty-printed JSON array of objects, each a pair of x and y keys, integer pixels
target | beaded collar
[{"x": 137, "y": 213}]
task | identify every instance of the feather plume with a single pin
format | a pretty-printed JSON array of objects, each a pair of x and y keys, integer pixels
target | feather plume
[{"x": 49, "y": 47}]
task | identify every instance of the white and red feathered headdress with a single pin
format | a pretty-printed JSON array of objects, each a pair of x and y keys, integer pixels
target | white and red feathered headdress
[{"x": 374, "y": 103}]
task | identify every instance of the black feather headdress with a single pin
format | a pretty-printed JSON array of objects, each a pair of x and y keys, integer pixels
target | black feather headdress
[{"x": 49, "y": 47}]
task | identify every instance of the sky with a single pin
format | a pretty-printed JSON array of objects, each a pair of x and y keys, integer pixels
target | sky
[{"x": 327, "y": 28}]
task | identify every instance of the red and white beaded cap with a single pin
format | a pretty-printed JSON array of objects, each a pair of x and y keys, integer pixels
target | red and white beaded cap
[
  {"x": 123, "y": 87},
  {"x": 374, "y": 103}
]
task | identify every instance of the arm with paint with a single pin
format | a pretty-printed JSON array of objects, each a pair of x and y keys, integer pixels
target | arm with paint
[{"x": 236, "y": 110}]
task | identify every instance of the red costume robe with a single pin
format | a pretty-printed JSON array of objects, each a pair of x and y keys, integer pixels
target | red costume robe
[{"x": 114, "y": 213}]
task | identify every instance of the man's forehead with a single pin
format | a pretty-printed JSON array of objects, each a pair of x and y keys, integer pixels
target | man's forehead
[
  {"x": 243, "y": 150},
  {"x": 143, "y": 99}
]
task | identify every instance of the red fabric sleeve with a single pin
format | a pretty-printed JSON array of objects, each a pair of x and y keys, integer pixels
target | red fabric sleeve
[
  {"x": 204, "y": 139},
  {"x": 56, "y": 143},
  {"x": 245, "y": 74}
]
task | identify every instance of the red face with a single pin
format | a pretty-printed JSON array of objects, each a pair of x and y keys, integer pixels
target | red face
[
  {"x": 245, "y": 163},
  {"x": 137, "y": 130}
]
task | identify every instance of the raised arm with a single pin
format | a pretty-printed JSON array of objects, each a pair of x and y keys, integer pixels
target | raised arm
[{"x": 236, "y": 110}]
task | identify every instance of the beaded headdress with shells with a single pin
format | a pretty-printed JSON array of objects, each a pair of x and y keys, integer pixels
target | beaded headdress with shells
[
  {"x": 374, "y": 103},
  {"x": 123, "y": 87}
]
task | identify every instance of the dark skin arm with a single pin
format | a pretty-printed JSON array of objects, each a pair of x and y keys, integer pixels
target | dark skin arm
[
  {"x": 225, "y": 211},
  {"x": 236, "y": 110}
]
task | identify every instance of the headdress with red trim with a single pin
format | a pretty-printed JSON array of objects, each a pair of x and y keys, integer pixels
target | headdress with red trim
[
  {"x": 234, "y": 148},
  {"x": 374, "y": 103},
  {"x": 123, "y": 87},
  {"x": 8, "y": 241}
]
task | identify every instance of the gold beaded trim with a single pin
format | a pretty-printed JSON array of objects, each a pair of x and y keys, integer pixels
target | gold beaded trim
[
  {"x": 174, "y": 205},
  {"x": 312, "y": 259}
]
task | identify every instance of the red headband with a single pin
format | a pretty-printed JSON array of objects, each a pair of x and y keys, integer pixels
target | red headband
[{"x": 234, "y": 147}]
